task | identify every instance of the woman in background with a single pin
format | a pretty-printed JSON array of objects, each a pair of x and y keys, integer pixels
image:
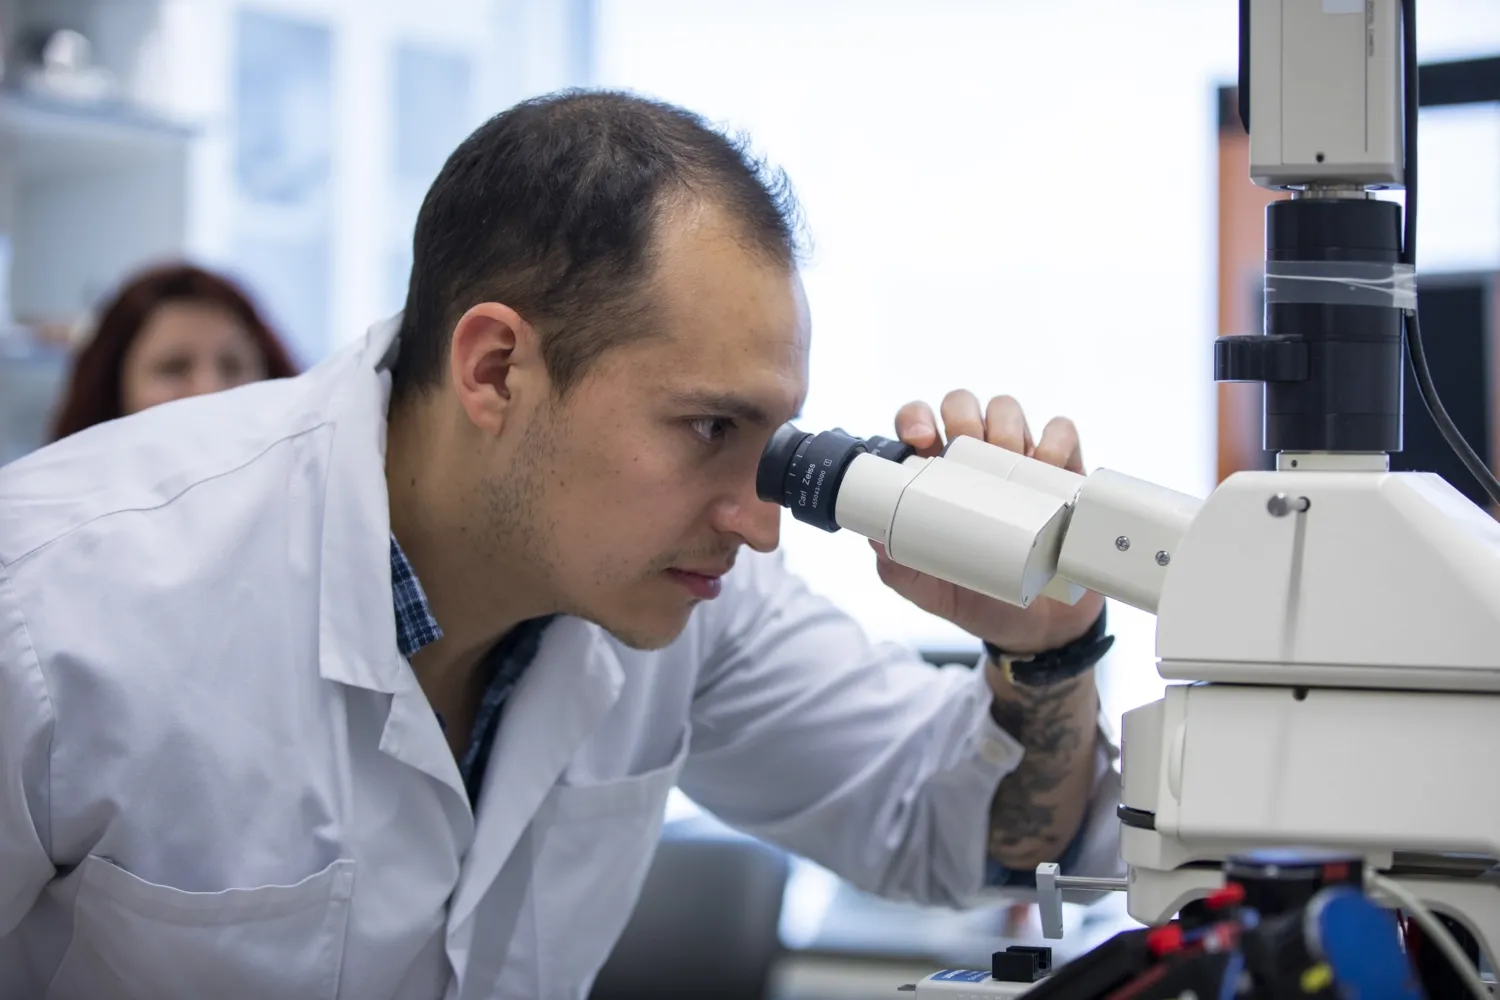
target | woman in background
[{"x": 169, "y": 333}]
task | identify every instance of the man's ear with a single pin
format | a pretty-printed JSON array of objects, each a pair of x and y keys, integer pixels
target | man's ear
[{"x": 492, "y": 353}]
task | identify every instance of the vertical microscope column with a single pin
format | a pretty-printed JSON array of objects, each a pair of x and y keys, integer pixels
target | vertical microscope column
[
  {"x": 1350, "y": 400},
  {"x": 1331, "y": 356}
]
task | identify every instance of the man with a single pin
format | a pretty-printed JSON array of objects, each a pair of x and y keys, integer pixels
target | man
[{"x": 373, "y": 683}]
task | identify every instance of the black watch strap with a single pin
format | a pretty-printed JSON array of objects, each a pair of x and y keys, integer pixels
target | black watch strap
[{"x": 1054, "y": 665}]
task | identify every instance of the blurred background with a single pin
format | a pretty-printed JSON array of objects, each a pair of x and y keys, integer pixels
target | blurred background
[{"x": 1046, "y": 199}]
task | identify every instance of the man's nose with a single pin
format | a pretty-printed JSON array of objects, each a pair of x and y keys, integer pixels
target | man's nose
[
  {"x": 765, "y": 532},
  {"x": 754, "y": 520}
]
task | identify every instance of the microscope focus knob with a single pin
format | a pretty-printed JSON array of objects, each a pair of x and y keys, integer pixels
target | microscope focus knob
[{"x": 1260, "y": 359}]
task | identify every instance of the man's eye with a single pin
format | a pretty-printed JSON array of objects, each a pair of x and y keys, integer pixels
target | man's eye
[{"x": 711, "y": 429}]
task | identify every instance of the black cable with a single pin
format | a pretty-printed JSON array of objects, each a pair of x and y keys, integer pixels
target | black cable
[{"x": 1415, "y": 352}]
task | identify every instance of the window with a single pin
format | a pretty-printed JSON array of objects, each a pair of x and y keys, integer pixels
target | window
[
  {"x": 1005, "y": 198},
  {"x": 1001, "y": 197}
]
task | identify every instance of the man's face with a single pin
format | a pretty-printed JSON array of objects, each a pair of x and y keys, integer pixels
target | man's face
[{"x": 631, "y": 496}]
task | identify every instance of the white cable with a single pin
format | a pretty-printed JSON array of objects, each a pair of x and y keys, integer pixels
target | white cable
[{"x": 1436, "y": 932}]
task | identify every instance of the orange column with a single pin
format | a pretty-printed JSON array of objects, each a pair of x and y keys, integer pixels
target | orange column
[{"x": 1242, "y": 226}]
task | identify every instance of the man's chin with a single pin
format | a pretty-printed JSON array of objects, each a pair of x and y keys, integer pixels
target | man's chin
[
  {"x": 645, "y": 640},
  {"x": 645, "y": 632},
  {"x": 643, "y": 643}
]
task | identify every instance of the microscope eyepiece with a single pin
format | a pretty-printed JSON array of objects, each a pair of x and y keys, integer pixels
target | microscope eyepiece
[
  {"x": 802, "y": 471},
  {"x": 776, "y": 460},
  {"x": 891, "y": 451}
]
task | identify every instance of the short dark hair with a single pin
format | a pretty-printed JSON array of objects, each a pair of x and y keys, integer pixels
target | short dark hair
[{"x": 550, "y": 207}]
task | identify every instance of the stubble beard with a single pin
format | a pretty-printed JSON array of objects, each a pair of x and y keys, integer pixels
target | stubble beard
[
  {"x": 522, "y": 537},
  {"x": 519, "y": 539}
]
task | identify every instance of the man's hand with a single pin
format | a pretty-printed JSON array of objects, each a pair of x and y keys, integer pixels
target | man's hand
[
  {"x": 1045, "y": 625},
  {"x": 1039, "y": 807}
]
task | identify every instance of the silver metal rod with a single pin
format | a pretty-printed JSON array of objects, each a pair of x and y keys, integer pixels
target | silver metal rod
[
  {"x": 1050, "y": 884},
  {"x": 1088, "y": 884}
]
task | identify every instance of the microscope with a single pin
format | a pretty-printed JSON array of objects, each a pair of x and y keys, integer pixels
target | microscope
[{"x": 1333, "y": 627}]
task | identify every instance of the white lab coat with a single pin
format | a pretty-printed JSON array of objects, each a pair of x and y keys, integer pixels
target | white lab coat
[{"x": 219, "y": 777}]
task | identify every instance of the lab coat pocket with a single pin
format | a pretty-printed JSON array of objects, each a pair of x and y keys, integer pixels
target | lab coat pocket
[
  {"x": 592, "y": 857},
  {"x": 135, "y": 939}
]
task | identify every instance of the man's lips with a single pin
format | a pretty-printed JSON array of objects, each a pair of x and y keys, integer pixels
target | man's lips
[{"x": 702, "y": 584}]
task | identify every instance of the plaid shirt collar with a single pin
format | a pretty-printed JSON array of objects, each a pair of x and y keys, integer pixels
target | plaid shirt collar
[{"x": 415, "y": 626}]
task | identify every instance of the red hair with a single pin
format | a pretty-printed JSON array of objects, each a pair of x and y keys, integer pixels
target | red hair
[{"x": 94, "y": 392}]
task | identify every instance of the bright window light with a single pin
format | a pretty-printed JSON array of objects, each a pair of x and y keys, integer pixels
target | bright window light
[{"x": 988, "y": 209}]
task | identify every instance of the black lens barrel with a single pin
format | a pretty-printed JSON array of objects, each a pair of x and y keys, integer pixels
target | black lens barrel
[
  {"x": 770, "y": 475},
  {"x": 802, "y": 471}
]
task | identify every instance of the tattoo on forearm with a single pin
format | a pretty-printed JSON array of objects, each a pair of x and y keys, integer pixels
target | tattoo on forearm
[{"x": 1024, "y": 812}]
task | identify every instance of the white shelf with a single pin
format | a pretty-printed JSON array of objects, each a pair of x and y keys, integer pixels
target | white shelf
[
  {"x": 50, "y": 138},
  {"x": 32, "y": 376},
  {"x": 87, "y": 194}
]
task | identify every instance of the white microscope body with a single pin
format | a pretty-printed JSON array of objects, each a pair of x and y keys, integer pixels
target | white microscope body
[
  {"x": 1336, "y": 626},
  {"x": 1354, "y": 698}
]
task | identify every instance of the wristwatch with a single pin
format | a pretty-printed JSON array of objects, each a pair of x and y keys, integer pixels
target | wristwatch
[{"x": 1054, "y": 665}]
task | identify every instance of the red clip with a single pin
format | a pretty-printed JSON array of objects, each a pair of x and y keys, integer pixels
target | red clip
[
  {"x": 1232, "y": 894},
  {"x": 1164, "y": 940}
]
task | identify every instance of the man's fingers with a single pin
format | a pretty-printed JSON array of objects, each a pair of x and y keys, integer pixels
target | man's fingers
[
  {"x": 1005, "y": 425},
  {"x": 961, "y": 415},
  {"x": 1059, "y": 445},
  {"x": 1002, "y": 423},
  {"x": 890, "y": 572},
  {"x": 917, "y": 426}
]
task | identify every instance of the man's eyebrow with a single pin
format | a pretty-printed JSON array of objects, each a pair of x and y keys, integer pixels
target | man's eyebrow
[{"x": 722, "y": 404}]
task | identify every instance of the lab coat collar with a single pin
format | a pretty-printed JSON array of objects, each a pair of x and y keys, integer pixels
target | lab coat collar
[
  {"x": 356, "y": 617},
  {"x": 565, "y": 692}
]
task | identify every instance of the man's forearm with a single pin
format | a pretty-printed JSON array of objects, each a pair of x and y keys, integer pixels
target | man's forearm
[{"x": 1038, "y": 807}]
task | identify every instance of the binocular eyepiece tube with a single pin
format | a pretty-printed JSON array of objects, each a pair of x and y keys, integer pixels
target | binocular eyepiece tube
[
  {"x": 982, "y": 517},
  {"x": 803, "y": 471},
  {"x": 962, "y": 519}
]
